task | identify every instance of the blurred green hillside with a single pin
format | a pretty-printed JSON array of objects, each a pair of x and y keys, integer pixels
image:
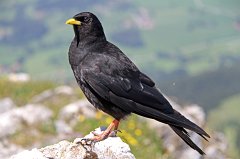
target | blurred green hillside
[
  {"x": 174, "y": 37},
  {"x": 169, "y": 40}
]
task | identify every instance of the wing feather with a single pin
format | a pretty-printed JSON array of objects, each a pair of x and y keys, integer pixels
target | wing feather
[
  {"x": 128, "y": 88},
  {"x": 143, "y": 101}
]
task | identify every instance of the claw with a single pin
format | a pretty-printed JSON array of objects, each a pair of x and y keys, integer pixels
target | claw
[
  {"x": 111, "y": 130},
  {"x": 114, "y": 133},
  {"x": 86, "y": 143},
  {"x": 118, "y": 131}
]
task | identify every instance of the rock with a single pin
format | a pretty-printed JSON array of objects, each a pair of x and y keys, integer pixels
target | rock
[
  {"x": 33, "y": 154},
  {"x": 66, "y": 90},
  {"x": 33, "y": 113},
  {"x": 43, "y": 96},
  {"x": 12, "y": 120},
  {"x": 8, "y": 121},
  {"x": 62, "y": 127},
  {"x": 7, "y": 149},
  {"x": 110, "y": 148},
  {"x": 81, "y": 107},
  {"x": 217, "y": 147},
  {"x": 6, "y": 104},
  {"x": 9, "y": 124},
  {"x": 47, "y": 94},
  {"x": 19, "y": 77}
]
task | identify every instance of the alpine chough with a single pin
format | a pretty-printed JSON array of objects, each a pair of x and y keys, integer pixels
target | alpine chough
[{"x": 112, "y": 82}]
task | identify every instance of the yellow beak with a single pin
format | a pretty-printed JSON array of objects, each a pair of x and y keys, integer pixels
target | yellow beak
[{"x": 73, "y": 21}]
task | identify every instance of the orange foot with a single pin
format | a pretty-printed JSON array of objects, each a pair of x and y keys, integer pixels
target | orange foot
[
  {"x": 113, "y": 127},
  {"x": 88, "y": 142}
]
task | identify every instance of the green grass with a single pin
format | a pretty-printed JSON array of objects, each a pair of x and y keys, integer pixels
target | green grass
[
  {"x": 219, "y": 118},
  {"x": 226, "y": 118},
  {"x": 21, "y": 93}
]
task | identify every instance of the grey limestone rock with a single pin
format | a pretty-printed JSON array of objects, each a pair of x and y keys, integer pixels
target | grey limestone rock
[
  {"x": 48, "y": 94},
  {"x": 6, "y": 104},
  {"x": 81, "y": 148},
  {"x": 13, "y": 119}
]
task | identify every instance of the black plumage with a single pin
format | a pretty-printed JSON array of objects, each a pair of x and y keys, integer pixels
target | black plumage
[{"x": 113, "y": 84}]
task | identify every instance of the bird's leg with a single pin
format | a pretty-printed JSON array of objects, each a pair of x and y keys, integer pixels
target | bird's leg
[{"x": 114, "y": 125}]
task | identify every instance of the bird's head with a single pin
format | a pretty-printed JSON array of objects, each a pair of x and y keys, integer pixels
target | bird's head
[{"x": 86, "y": 26}]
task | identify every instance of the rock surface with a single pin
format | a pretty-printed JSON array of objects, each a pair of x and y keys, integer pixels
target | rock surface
[
  {"x": 7, "y": 149},
  {"x": 110, "y": 148},
  {"x": 47, "y": 94},
  {"x": 19, "y": 77},
  {"x": 13, "y": 119},
  {"x": 72, "y": 110},
  {"x": 6, "y": 104}
]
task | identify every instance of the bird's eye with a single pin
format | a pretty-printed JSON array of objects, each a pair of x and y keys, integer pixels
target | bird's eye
[{"x": 86, "y": 19}]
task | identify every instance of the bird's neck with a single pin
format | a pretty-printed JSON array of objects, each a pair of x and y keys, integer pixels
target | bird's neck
[
  {"x": 88, "y": 41},
  {"x": 79, "y": 49}
]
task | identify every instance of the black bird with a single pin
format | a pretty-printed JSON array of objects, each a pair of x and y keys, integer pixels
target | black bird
[{"x": 113, "y": 84}]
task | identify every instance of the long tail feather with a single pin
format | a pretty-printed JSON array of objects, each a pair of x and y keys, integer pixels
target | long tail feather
[
  {"x": 181, "y": 132},
  {"x": 174, "y": 118},
  {"x": 176, "y": 121},
  {"x": 190, "y": 125}
]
